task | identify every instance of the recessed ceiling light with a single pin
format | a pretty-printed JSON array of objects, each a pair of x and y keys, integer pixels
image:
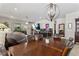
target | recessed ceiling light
[
  {"x": 15, "y": 9},
  {"x": 26, "y": 23}
]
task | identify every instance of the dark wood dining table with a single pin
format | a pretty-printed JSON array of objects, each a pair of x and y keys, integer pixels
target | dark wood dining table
[{"x": 38, "y": 48}]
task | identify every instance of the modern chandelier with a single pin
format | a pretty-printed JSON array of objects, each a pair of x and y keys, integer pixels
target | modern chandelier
[{"x": 53, "y": 11}]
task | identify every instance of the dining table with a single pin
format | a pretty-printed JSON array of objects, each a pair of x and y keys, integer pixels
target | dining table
[{"x": 39, "y": 48}]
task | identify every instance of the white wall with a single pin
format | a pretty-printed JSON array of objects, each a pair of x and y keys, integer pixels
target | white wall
[{"x": 70, "y": 18}]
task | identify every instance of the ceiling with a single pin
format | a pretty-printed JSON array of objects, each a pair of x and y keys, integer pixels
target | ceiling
[{"x": 34, "y": 11}]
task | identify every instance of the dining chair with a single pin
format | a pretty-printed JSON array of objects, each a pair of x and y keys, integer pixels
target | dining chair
[
  {"x": 15, "y": 38},
  {"x": 65, "y": 52},
  {"x": 30, "y": 38}
]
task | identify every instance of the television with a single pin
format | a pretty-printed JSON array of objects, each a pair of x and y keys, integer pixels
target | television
[{"x": 38, "y": 26}]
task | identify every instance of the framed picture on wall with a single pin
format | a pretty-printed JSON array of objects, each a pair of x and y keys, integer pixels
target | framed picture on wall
[
  {"x": 61, "y": 29},
  {"x": 47, "y": 26},
  {"x": 61, "y": 26}
]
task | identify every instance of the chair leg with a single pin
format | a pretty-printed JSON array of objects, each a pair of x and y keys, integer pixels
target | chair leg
[{"x": 9, "y": 54}]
